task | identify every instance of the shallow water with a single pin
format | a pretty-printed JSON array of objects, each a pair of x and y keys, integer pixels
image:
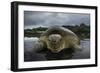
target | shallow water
[{"x": 30, "y": 54}]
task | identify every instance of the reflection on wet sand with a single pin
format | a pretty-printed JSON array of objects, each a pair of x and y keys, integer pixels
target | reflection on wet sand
[{"x": 45, "y": 54}]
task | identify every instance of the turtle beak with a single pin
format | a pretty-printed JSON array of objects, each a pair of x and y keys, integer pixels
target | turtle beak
[{"x": 55, "y": 50}]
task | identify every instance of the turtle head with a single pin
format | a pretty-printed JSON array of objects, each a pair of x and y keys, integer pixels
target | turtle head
[{"x": 55, "y": 43}]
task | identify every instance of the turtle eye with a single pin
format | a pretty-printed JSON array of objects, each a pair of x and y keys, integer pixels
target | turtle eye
[
  {"x": 60, "y": 39},
  {"x": 48, "y": 39}
]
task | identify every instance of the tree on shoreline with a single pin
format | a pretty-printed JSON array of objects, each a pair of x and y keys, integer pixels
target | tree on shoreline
[{"x": 82, "y": 30}]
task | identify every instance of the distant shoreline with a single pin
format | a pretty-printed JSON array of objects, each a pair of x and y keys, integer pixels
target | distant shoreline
[{"x": 82, "y": 31}]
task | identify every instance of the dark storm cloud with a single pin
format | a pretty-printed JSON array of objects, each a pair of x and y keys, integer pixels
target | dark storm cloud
[{"x": 35, "y": 18}]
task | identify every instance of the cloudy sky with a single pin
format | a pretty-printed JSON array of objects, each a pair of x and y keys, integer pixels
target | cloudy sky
[{"x": 33, "y": 19}]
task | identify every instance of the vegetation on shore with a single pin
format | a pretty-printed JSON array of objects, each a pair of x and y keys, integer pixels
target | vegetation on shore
[{"x": 82, "y": 31}]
